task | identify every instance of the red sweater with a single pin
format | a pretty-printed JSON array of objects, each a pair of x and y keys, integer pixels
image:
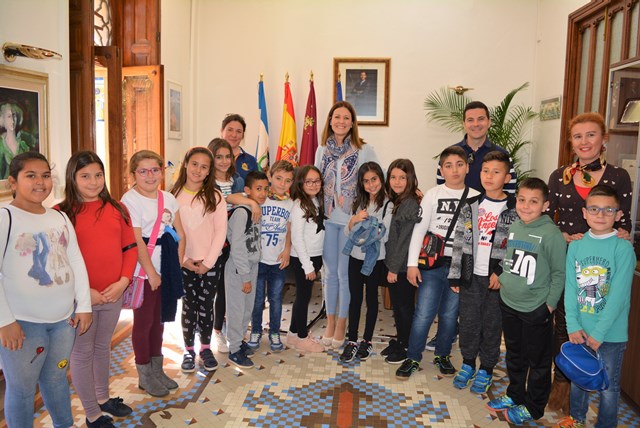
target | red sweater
[{"x": 103, "y": 237}]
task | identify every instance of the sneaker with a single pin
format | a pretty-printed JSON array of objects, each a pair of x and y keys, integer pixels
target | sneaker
[
  {"x": 569, "y": 422},
  {"x": 116, "y": 407},
  {"x": 517, "y": 414},
  {"x": 276, "y": 343},
  {"x": 244, "y": 347},
  {"x": 221, "y": 342},
  {"x": 393, "y": 344},
  {"x": 337, "y": 344},
  {"x": 364, "y": 350},
  {"x": 309, "y": 345},
  {"x": 189, "y": 362},
  {"x": 292, "y": 340},
  {"x": 464, "y": 376},
  {"x": 254, "y": 340},
  {"x": 326, "y": 341},
  {"x": 397, "y": 357},
  {"x": 407, "y": 368},
  {"x": 431, "y": 345},
  {"x": 208, "y": 360},
  {"x": 501, "y": 403},
  {"x": 349, "y": 353},
  {"x": 103, "y": 421},
  {"x": 240, "y": 359},
  {"x": 444, "y": 364},
  {"x": 482, "y": 383}
]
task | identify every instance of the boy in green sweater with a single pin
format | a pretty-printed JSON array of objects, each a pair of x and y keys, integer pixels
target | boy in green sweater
[
  {"x": 597, "y": 299},
  {"x": 531, "y": 284}
]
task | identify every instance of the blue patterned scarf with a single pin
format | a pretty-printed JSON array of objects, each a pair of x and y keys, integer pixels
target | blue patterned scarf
[{"x": 348, "y": 174}]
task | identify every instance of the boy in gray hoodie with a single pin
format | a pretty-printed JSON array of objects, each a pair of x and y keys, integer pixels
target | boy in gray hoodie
[{"x": 241, "y": 270}]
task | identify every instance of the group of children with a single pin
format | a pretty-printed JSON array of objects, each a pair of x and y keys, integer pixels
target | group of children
[{"x": 225, "y": 242}]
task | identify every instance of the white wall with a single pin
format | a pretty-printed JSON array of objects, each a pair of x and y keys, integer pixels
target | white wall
[
  {"x": 51, "y": 20},
  {"x": 489, "y": 45},
  {"x": 550, "y": 54}
]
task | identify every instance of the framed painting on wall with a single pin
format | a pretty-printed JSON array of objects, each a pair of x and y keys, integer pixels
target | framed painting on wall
[
  {"x": 174, "y": 102},
  {"x": 365, "y": 82},
  {"x": 23, "y": 117}
]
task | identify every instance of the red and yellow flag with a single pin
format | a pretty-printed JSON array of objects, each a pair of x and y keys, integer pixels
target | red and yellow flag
[
  {"x": 287, "y": 148},
  {"x": 309, "y": 142}
]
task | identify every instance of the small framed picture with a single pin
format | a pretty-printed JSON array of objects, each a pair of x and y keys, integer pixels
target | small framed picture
[
  {"x": 174, "y": 104},
  {"x": 24, "y": 108},
  {"x": 365, "y": 83},
  {"x": 550, "y": 108}
]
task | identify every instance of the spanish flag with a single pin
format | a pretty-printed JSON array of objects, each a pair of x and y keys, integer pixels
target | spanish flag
[
  {"x": 310, "y": 131},
  {"x": 287, "y": 148}
]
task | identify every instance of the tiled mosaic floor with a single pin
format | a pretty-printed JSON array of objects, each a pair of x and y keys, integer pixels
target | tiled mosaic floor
[{"x": 289, "y": 389}]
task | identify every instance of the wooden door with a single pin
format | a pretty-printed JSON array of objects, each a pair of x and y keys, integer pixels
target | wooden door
[{"x": 142, "y": 92}]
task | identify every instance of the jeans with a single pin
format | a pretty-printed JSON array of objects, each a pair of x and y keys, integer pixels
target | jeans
[
  {"x": 336, "y": 266},
  {"x": 434, "y": 297},
  {"x": 26, "y": 368},
  {"x": 612, "y": 354},
  {"x": 271, "y": 278}
]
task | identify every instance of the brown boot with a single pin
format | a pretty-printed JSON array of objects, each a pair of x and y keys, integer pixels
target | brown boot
[{"x": 559, "y": 396}]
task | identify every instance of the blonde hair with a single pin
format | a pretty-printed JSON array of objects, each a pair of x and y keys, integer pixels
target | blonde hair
[{"x": 142, "y": 155}]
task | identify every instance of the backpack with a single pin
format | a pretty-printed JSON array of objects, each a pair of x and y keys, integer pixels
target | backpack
[{"x": 226, "y": 248}]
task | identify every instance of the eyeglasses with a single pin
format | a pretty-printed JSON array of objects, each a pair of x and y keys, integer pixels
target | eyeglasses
[
  {"x": 149, "y": 171},
  {"x": 608, "y": 211},
  {"x": 313, "y": 182}
]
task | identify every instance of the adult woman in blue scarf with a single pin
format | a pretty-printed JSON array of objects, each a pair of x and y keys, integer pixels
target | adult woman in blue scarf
[{"x": 339, "y": 157}]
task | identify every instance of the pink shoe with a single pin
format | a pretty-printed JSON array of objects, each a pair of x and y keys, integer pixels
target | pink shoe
[
  {"x": 292, "y": 340},
  {"x": 326, "y": 341},
  {"x": 309, "y": 345}
]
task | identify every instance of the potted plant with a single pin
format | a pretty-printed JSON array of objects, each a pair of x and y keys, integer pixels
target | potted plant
[{"x": 508, "y": 122}]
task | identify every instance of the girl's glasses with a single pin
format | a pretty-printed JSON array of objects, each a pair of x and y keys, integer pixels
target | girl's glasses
[
  {"x": 149, "y": 171},
  {"x": 608, "y": 211},
  {"x": 312, "y": 182}
]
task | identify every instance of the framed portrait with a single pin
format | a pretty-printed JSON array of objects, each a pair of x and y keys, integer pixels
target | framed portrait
[
  {"x": 174, "y": 103},
  {"x": 624, "y": 100},
  {"x": 550, "y": 109},
  {"x": 23, "y": 117},
  {"x": 365, "y": 84}
]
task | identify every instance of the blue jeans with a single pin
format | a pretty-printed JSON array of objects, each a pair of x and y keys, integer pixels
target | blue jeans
[
  {"x": 612, "y": 354},
  {"x": 434, "y": 297},
  {"x": 271, "y": 278},
  {"x": 26, "y": 368},
  {"x": 336, "y": 268}
]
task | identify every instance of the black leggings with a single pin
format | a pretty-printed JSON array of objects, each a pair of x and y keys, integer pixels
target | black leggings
[
  {"x": 304, "y": 287},
  {"x": 357, "y": 282},
  {"x": 197, "y": 305},
  {"x": 220, "y": 307},
  {"x": 403, "y": 300}
]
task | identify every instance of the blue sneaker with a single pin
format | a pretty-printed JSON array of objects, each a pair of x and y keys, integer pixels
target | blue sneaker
[
  {"x": 464, "y": 376},
  {"x": 254, "y": 340},
  {"x": 276, "y": 343},
  {"x": 482, "y": 383},
  {"x": 240, "y": 359},
  {"x": 244, "y": 347},
  {"x": 501, "y": 403},
  {"x": 518, "y": 414}
]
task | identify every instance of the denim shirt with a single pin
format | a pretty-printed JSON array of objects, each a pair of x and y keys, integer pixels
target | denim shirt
[{"x": 367, "y": 235}]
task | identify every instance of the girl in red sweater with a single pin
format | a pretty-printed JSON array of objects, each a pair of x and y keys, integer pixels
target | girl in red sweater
[{"x": 108, "y": 246}]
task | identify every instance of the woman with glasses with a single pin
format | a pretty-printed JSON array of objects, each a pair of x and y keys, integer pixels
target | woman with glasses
[
  {"x": 339, "y": 156},
  {"x": 568, "y": 189}
]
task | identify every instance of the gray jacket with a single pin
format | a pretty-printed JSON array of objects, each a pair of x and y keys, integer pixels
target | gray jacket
[{"x": 244, "y": 242}]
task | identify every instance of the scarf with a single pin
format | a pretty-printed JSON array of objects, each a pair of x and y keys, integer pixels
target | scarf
[
  {"x": 348, "y": 174},
  {"x": 587, "y": 179},
  {"x": 275, "y": 197}
]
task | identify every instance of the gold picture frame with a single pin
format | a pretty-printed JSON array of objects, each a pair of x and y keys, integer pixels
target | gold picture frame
[
  {"x": 24, "y": 112},
  {"x": 365, "y": 84}
]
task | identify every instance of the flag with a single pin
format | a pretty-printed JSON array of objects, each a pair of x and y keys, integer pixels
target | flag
[
  {"x": 338, "y": 90},
  {"x": 310, "y": 131},
  {"x": 287, "y": 148},
  {"x": 262, "y": 147}
]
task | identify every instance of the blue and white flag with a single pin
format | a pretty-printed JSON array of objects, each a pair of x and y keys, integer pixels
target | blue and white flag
[
  {"x": 338, "y": 91},
  {"x": 262, "y": 147}
]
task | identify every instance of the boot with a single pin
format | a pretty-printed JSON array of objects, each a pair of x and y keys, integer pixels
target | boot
[
  {"x": 158, "y": 372},
  {"x": 559, "y": 396},
  {"x": 148, "y": 382}
]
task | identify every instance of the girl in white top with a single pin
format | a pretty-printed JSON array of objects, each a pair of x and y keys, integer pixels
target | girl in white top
[
  {"x": 43, "y": 280},
  {"x": 307, "y": 235}
]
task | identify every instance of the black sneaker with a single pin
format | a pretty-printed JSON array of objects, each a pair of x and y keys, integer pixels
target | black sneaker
[
  {"x": 116, "y": 407},
  {"x": 103, "y": 421},
  {"x": 189, "y": 362},
  {"x": 407, "y": 368},
  {"x": 397, "y": 357},
  {"x": 431, "y": 345},
  {"x": 445, "y": 366},
  {"x": 208, "y": 360},
  {"x": 364, "y": 350},
  {"x": 244, "y": 347},
  {"x": 349, "y": 353},
  {"x": 241, "y": 360},
  {"x": 393, "y": 344}
]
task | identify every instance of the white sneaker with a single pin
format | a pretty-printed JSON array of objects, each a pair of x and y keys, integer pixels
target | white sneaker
[
  {"x": 292, "y": 340},
  {"x": 221, "y": 342},
  {"x": 309, "y": 345}
]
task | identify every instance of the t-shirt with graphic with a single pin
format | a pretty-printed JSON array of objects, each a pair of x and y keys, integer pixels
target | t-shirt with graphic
[
  {"x": 273, "y": 236},
  {"x": 488, "y": 212},
  {"x": 598, "y": 286}
]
